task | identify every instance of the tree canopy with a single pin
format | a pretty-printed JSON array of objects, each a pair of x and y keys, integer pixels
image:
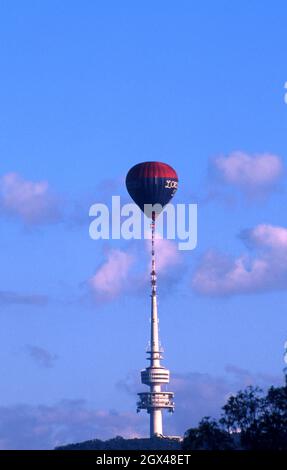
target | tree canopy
[{"x": 250, "y": 420}]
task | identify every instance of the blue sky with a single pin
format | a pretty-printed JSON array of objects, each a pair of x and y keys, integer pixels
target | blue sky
[{"x": 87, "y": 91}]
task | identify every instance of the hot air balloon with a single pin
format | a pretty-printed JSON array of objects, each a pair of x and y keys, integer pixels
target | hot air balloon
[{"x": 151, "y": 183}]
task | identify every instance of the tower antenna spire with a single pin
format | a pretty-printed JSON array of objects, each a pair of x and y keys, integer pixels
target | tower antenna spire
[
  {"x": 153, "y": 273},
  {"x": 155, "y": 375},
  {"x": 285, "y": 360}
]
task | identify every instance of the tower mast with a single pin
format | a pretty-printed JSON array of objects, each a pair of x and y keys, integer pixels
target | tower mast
[
  {"x": 285, "y": 360},
  {"x": 155, "y": 375}
]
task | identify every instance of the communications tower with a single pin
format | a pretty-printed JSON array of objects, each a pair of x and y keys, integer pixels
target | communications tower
[{"x": 155, "y": 375}]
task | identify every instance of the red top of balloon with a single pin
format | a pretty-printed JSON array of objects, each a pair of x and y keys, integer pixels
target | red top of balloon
[{"x": 153, "y": 170}]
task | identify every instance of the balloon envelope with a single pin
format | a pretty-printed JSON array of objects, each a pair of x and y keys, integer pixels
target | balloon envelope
[{"x": 151, "y": 183}]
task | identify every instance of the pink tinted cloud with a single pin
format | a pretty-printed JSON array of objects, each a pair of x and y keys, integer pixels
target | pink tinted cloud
[
  {"x": 168, "y": 258},
  {"x": 220, "y": 275},
  {"x": 26, "y": 426},
  {"x": 111, "y": 278},
  {"x": 167, "y": 254},
  {"x": 32, "y": 202},
  {"x": 166, "y": 251},
  {"x": 266, "y": 236},
  {"x": 249, "y": 172}
]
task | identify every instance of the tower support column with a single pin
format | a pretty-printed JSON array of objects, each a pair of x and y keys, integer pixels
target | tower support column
[{"x": 155, "y": 422}]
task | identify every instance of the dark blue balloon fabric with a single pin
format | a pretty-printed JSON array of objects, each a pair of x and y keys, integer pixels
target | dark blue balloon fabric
[{"x": 151, "y": 183}]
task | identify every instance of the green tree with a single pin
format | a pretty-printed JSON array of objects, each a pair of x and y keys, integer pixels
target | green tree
[
  {"x": 269, "y": 430},
  {"x": 207, "y": 436},
  {"x": 260, "y": 421},
  {"x": 242, "y": 409},
  {"x": 250, "y": 420}
]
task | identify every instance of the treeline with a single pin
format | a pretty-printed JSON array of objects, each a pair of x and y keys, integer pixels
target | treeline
[
  {"x": 119, "y": 443},
  {"x": 250, "y": 420}
]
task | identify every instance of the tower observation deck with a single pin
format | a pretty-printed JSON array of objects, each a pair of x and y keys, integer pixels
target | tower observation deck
[{"x": 155, "y": 375}]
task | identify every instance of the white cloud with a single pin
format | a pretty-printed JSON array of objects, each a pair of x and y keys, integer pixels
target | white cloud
[
  {"x": 32, "y": 202},
  {"x": 266, "y": 236},
  {"x": 112, "y": 277},
  {"x": 220, "y": 275},
  {"x": 166, "y": 251},
  {"x": 251, "y": 173}
]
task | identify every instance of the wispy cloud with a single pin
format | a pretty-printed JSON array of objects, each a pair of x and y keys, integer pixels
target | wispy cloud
[
  {"x": 253, "y": 174},
  {"x": 266, "y": 236},
  {"x": 112, "y": 276},
  {"x": 167, "y": 253},
  {"x": 42, "y": 357},
  {"x": 32, "y": 202},
  {"x": 45, "y": 427},
  {"x": 15, "y": 298},
  {"x": 263, "y": 270},
  {"x": 102, "y": 193}
]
